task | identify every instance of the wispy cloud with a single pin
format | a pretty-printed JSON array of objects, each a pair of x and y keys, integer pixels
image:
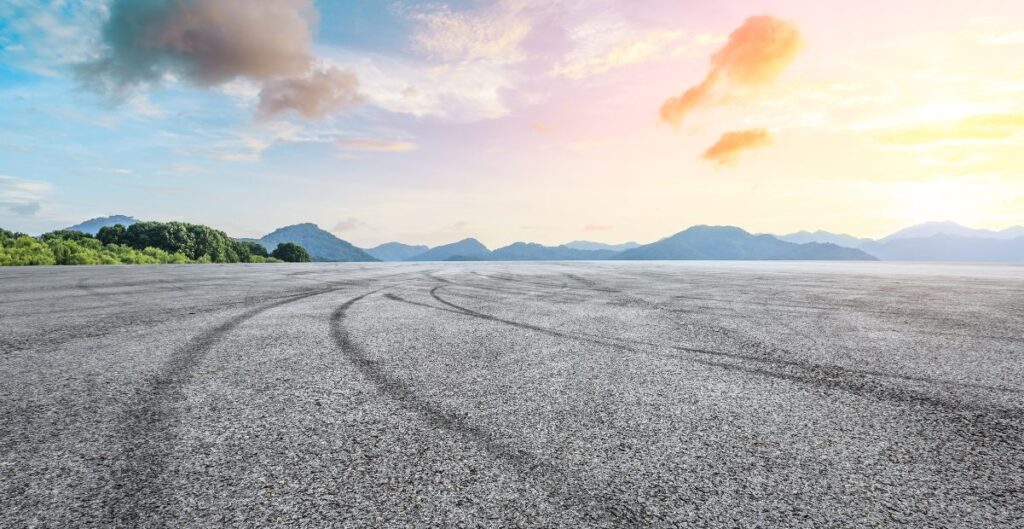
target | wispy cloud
[
  {"x": 597, "y": 227},
  {"x": 59, "y": 33},
  {"x": 463, "y": 91},
  {"x": 1003, "y": 38},
  {"x": 755, "y": 54},
  {"x": 731, "y": 144},
  {"x": 599, "y": 46},
  {"x": 490, "y": 33},
  {"x": 376, "y": 145},
  {"x": 974, "y": 130},
  {"x": 21, "y": 197},
  {"x": 348, "y": 224}
]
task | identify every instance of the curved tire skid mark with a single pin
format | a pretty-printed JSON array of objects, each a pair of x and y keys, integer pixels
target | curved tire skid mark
[
  {"x": 608, "y": 510},
  {"x": 547, "y": 295},
  {"x": 982, "y": 422},
  {"x": 147, "y": 427},
  {"x": 823, "y": 371}
]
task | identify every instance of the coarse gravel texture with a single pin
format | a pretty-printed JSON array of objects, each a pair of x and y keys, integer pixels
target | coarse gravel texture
[{"x": 513, "y": 395}]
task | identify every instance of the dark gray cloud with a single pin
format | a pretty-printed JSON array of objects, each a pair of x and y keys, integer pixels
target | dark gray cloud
[
  {"x": 314, "y": 95},
  {"x": 25, "y": 209},
  {"x": 210, "y": 42}
]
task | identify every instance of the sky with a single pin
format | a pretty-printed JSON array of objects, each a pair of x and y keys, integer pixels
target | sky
[{"x": 513, "y": 120}]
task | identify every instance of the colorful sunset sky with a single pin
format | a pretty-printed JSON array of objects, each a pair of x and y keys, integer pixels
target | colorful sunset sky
[{"x": 513, "y": 120}]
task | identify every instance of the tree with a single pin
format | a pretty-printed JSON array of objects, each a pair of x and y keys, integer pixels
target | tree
[
  {"x": 291, "y": 253},
  {"x": 195, "y": 241},
  {"x": 248, "y": 250},
  {"x": 23, "y": 251},
  {"x": 112, "y": 234},
  {"x": 70, "y": 235},
  {"x": 141, "y": 243},
  {"x": 6, "y": 234}
]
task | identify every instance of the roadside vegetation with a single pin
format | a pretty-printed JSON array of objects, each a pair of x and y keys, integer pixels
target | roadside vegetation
[{"x": 140, "y": 243}]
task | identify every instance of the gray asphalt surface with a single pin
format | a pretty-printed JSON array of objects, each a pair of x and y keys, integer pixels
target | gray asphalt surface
[{"x": 505, "y": 395}]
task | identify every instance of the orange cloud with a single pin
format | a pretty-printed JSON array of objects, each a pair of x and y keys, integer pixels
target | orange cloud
[
  {"x": 728, "y": 148},
  {"x": 755, "y": 54}
]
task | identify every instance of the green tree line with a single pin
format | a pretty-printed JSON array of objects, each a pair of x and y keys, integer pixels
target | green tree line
[{"x": 140, "y": 243}]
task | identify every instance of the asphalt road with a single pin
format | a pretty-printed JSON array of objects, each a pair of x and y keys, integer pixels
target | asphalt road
[{"x": 504, "y": 395}]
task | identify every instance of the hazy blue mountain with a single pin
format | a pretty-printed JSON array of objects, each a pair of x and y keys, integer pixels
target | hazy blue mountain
[
  {"x": 477, "y": 257},
  {"x": 731, "y": 243},
  {"x": 591, "y": 245},
  {"x": 524, "y": 251},
  {"x": 466, "y": 248},
  {"x": 840, "y": 239},
  {"x": 321, "y": 244},
  {"x": 948, "y": 248},
  {"x": 1011, "y": 233},
  {"x": 395, "y": 251},
  {"x": 929, "y": 229},
  {"x": 92, "y": 226}
]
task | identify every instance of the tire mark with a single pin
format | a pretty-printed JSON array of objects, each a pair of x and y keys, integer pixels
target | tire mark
[
  {"x": 136, "y": 490},
  {"x": 569, "y": 297},
  {"x": 820, "y": 369},
  {"x": 607, "y": 509},
  {"x": 565, "y": 286},
  {"x": 984, "y": 420}
]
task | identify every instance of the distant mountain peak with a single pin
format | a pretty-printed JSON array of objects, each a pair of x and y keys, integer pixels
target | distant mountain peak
[
  {"x": 929, "y": 229},
  {"x": 321, "y": 244},
  {"x": 466, "y": 248},
  {"x": 592, "y": 245},
  {"x": 822, "y": 236},
  {"x": 396, "y": 251},
  {"x": 705, "y": 242},
  {"x": 92, "y": 226},
  {"x": 531, "y": 251}
]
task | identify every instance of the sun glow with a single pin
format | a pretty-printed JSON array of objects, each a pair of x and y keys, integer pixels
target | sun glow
[{"x": 969, "y": 202}]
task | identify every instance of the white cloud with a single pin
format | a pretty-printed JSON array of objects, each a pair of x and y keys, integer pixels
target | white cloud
[
  {"x": 602, "y": 45},
  {"x": 376, "y": 145},
  {"x": 249, "y": 146},
  {"x": 55, "y": 33},
  {"x": 493, "y": 33},
  {"x": 472, "y": 57},
  {"x": 348, "y": 224},
  {"x": 21, "y": 197},
  {"x": 467, "y": 91}
]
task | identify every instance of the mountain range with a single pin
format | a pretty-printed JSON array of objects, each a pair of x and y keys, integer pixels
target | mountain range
[
  {"x": 841, "y": 239},
  {"x": 933, "y": 241},
  {"x": 731, "y": 243},
  {"x": 590, "y": 245},
  {"x": 466, "y": 249},
  {"x": 930, "y": 229},
  {"x": 530, "y": 251},
  {"x": 942, "y": 247},
  {"x": 396, "y": 251}
]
